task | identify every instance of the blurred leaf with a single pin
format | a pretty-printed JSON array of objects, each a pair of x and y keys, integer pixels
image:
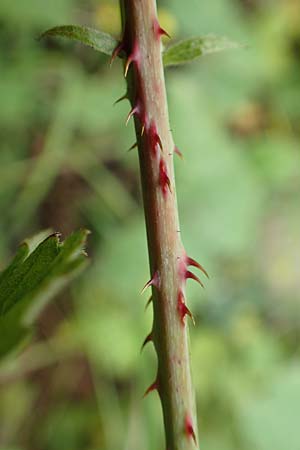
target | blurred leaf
[
  {"x": 34, "y": 13},
  {"x": 32, "y": 278},
  {"x": 102, "y": 42},
  {"x": 190, "y": 49}
]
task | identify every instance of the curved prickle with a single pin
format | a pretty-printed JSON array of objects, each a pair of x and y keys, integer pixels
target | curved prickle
[
  {"x": 192, "y": 262},
  {"x": 182, "y": 309},
  {"x": 133, "y": 57},
  {"x": 192, "y": 276},
  {"x": 148, "y": 302},
  {"x": 154, "y": 138},
  {"x": 133, "y": 146},
  {"x": 164, "y": 179},
  {"x": 153, "y": 387},
  {"x": 116, "y": 52},
  {"x": 153, "y": 282},
  {"x": 185, "y": 274},
  {"x": 124, "y": 97},
  {"x": 158, "y": 30},
  {"x": 148, "y": 338},
  {"x": 134, "y": 110},
  {"x": 178, "y": 152}
]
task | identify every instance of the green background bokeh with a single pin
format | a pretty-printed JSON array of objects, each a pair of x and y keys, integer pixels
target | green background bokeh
[{"x": 63, "y": 164}]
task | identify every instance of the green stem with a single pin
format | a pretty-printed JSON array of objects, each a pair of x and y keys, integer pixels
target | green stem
[{"x": 168, "y": 261}]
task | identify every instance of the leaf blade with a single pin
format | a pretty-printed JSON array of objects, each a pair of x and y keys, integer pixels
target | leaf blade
[
  {"x": 191, "y": 49},
  {"x": 32, "y": 279},
  {"x": 98, "y": 40}
]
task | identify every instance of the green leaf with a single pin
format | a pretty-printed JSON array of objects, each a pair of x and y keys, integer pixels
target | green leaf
[
  {"x": 98, "y": 40},
  {"x": 190, "y": 49},
  {"x": 33, "y": 277}
]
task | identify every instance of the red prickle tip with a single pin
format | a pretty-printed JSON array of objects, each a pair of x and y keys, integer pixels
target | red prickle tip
[
  {"x": 178, "y": 152},
  {"x": 134, "y": 56},
  {"x": 164, "y": 179},
  {"x": 152, "y": 387},
  {"x": 158, "y": 30},
  {"x": 148, "y": 302},
  {"x": 133, "y": 146},
  {"x": 189, "y": 429},
  {"x": 163, "y": 32},
  {"x": 183, "y": 309},
  {"x": 193, "y": 277},
  {"x": 116, "y": 52},
  {"x": 153, "y": 282},
  {"x": 148, "y": 338},
  {"x": 192, "y": 262},
  {"x": 154, "y": 138}
]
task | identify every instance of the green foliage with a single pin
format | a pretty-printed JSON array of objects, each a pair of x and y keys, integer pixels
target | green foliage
[
  {"x": 180, "y": 53},
  {"x": 102, "y": 42},
  {"x": 64, "y": 164},
  {"x": 190, "y": 49},
  {"x": 32, "y": 278}
]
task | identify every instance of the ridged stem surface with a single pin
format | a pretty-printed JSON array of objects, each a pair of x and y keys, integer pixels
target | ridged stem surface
[{"x": 141, "y": 43}]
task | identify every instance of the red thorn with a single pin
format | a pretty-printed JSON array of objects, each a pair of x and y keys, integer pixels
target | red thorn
[
  {"x": 164, "y": 179},
  {"x": 153, "y": 282},
  {"x": 133, "y": 146},
  {"x": 178, "y": 152},
  {"x": 158, "y": 30},
  {"x": 133, "y": 57},
  {"x": 192, "y": 262},
  {"x": 154, "y": 138},
  {"x": 189, "y": 429},
  {"x": 183, "y": 309},
  {"x": 148, "y": 338},
  {"x": 152, "y": 387},
  {"x": 116, "y": 52},
  {"x": 186, "y": 312},
  {"x": 148, "y": 303},
  {"x": 163, "y": 32},
  {"x": 125, "y": 96},
  {"x": 193, "y": 277},
  {"x": 134, "y": 110}
]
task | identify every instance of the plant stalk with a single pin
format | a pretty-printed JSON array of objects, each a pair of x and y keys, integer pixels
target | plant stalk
[{"x": 141, "y": 43}]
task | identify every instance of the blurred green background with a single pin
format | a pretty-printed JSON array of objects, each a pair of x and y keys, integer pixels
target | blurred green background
[{"x": 63, "y": 164}]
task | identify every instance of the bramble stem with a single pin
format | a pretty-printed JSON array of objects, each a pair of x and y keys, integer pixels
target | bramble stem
[{"x": 168, "y": 261}]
